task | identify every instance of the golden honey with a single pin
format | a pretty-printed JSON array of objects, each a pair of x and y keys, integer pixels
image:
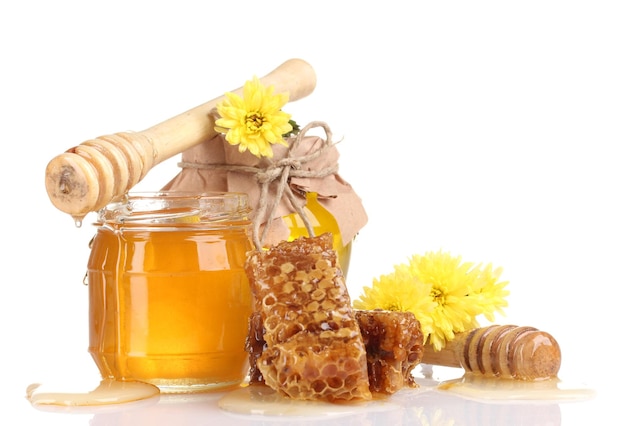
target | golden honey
[
  {"x": 169, "y": 300},
  {"x": 322, "y": 221}
]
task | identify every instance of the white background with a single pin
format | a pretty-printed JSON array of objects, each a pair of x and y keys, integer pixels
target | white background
[{"x": 492, "y": 130}]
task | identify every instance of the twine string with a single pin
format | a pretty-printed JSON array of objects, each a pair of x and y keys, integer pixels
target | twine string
[{"x": 281, "y": 170}]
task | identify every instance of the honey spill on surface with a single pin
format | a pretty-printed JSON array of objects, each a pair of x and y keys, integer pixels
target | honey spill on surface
[
  {"x": 264, "y": 401},
  {"x": 476, "y": 387},
  {"x": 260, "y": 400},
  {"x": 109, "y": 392}
]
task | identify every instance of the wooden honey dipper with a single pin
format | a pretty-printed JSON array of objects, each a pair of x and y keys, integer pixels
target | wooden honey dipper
[
  {"x": 506, "y": 351},
  {"x": 87, "y": 177}
]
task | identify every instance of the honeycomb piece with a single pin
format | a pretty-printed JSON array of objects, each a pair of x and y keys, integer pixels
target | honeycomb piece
[
  {"x": 395, "y": 344},
  {"x": 314, "y": 345}
]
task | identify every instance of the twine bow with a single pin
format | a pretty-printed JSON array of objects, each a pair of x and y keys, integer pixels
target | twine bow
[{"x": 282, "y": 171}]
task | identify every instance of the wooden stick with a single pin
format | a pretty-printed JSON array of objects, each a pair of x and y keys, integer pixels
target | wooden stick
[
  {"x": 506, "y": 351},
  {"x": 89, "y": 176}
]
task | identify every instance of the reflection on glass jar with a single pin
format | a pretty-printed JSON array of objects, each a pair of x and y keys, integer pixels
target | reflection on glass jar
[{"x": 169, "y": 298}]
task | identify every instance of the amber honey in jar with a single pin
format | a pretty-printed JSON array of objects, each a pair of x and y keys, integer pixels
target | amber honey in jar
[
  {"x": 321, "y": 221},
  {"x": 169, "y": 300}
]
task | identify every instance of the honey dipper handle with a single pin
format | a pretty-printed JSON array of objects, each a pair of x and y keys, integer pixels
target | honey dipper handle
[
  {"x": 87, "y": 177},
  {"x": 506, "y": 351},
  {"x": 446, "y": 357}
]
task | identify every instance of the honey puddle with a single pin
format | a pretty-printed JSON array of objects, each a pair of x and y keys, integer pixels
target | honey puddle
[
  {"x": 108, "y": 392},
  {"x": 262, "y": 400},
  {"x": 473, "y": 386}
]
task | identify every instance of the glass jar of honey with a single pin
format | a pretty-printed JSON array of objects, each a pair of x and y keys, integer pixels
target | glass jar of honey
[{"x": 169, "y": 299}]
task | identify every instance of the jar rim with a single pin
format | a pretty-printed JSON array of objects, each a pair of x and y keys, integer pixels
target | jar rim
[
  {"x": 184, "y": 194},
  {"x": 176, "y": 207}
]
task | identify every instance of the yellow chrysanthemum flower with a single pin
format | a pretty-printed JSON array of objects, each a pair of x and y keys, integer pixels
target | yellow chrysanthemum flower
[
  {"x": 444, "y": 293},
  {"x": 491, "y": 294},
  {"x": 254, "y": 121},
  {"x": 452, "y": 282}
]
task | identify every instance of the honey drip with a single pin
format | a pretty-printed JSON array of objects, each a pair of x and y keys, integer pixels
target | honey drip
[{"x": 78, "y": 221}]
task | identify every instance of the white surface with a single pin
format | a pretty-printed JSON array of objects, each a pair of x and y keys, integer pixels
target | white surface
[
  {"x": 486, "y": 129},
  {"x": 422, "y": 406}
]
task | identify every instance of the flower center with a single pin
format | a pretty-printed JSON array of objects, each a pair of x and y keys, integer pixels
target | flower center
[
  {"x": 438, "y": 296},
  {"x": 393, "y": 307},
  {"x": 254, "y": 122}
]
